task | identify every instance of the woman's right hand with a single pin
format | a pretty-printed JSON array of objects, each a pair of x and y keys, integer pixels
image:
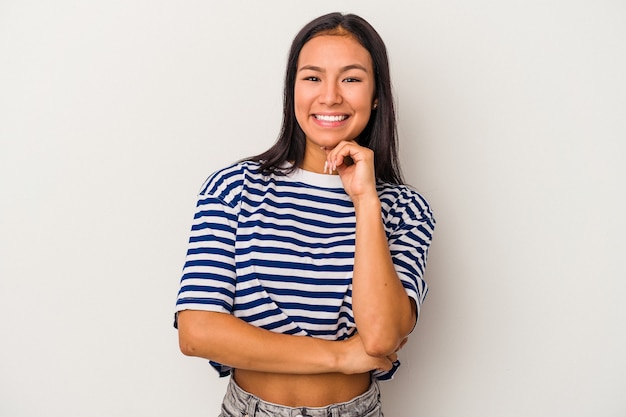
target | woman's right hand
[{"x": 353, "y": 359}]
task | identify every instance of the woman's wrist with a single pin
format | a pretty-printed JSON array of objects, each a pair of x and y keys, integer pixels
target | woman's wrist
[{"x": 366, "y": 202}]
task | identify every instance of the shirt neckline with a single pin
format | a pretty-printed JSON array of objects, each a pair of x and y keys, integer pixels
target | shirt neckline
[{"x": 316, "y": 179}]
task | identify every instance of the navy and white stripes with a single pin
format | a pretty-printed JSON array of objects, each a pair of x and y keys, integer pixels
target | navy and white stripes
[{"x": 278, "y": 251}]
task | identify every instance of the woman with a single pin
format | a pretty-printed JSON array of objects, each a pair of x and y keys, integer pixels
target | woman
[{"x": 304, "y": 273}]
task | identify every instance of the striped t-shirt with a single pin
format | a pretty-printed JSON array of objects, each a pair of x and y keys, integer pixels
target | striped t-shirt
[{"x": 278, "y": 251}]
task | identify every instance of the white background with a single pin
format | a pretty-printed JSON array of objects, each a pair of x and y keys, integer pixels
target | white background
[{"x": 512, "y": 116}]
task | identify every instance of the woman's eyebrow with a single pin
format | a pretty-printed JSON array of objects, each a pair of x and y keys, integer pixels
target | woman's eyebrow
[{"x": 342, "y": 69}]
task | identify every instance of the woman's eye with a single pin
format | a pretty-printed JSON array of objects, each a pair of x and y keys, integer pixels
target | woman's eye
[
  {"x": 351, "y": 80},
  {"x": 311, "y": 78}
]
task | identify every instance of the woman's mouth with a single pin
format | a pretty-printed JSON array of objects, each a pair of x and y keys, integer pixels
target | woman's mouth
[{"x": 330, "y": 118}]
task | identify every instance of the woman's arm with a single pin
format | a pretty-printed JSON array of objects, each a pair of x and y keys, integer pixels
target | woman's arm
[
  {"x": 383, "y": 312},
  {"x": 231, "y": 341}
]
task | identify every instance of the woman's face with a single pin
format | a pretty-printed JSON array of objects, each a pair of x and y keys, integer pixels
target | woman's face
[{"x": 334, "y": 90}]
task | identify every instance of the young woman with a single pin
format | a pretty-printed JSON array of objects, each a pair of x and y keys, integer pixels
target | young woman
[{"x": 304, "y": 274}]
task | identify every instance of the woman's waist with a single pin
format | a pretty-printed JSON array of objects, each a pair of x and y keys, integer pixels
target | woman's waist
[{"x": 292, "y": 390}]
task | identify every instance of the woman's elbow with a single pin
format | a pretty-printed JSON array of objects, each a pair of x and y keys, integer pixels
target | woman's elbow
[
  {"x": 387, "y": 339},
  {"x": 189, "y": 339},
  {"x": 186, "y": 344},
  {"x": 381, "y": 346}
]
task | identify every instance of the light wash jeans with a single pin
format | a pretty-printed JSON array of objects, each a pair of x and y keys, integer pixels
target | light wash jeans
[{"x": 239, "y": 403}]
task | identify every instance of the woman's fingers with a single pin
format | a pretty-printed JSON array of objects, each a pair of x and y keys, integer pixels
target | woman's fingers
[
  {"x": 387, "y": 362},
  {"x": 355, "y": 165},
  {"x": 346, "y": 153},
  {"x": 355, "y": 359}
]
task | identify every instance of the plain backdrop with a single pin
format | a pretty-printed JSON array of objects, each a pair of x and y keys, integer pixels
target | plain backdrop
[{"x": 512, "y": 117}]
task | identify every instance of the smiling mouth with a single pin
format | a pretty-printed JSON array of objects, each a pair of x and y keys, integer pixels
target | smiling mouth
[{"x": 327, "y": 118}]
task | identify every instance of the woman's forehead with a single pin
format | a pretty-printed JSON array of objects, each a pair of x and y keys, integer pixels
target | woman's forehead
[{"x": 334, "y": 51}]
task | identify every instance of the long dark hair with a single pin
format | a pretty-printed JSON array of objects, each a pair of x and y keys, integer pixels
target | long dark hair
[{"x": 380, "y": 134}]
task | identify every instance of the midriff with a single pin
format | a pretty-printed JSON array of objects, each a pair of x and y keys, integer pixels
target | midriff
[{"x": 293, "y": 390}]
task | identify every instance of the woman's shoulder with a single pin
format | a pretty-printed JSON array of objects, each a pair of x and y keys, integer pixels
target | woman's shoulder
[
  {"x": 227, "y": 183},
  {"x": 404, "y": 200}
]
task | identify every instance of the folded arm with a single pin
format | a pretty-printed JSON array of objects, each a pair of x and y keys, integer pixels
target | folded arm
[{"x": 231, "y": 341}]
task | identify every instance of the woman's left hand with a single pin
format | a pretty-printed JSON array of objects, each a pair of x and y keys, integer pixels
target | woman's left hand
[{"x": 355, "y": 165}]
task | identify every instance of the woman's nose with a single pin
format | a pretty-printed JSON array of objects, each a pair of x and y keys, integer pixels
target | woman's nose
[{"x": 330, "y": 94}]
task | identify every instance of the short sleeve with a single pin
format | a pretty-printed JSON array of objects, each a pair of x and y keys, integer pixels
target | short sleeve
[
  {"x": 208, "y": 277},
  {"x": 409, "y": 242}
]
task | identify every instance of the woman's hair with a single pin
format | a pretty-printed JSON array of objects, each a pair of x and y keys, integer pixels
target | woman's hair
[{"x": 380, "y": 134}]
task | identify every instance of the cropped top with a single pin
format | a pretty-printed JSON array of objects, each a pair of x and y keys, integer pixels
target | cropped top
[{"x": 278, "y": 250}]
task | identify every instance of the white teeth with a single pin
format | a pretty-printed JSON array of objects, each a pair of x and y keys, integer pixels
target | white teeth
[{"x": 330, "y": 118}]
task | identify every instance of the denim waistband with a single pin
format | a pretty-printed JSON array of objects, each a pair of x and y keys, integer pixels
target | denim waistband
[{"x": 239, "y": 403}]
